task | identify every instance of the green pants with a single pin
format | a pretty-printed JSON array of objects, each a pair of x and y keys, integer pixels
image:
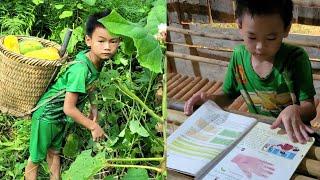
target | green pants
[{"x": 45, "y": 134}]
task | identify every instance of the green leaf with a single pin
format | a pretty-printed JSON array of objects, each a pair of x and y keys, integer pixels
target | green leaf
[
  {"x": 122, "y": 133},
  {"x": 127, "y": 46},
  {"x": 120, "y": 59},
  {"x": 149, "y": 52},
  {"x": 112, "y": 118},
  {"x": 85, "y": 166},
  {"x": 135, "y": 173},
  {"x": 65, "y": 14},
  {"x": 109, "y": 92},
  {"x": 37, "y": 2},
  {"x": 72, "y": 146},
  {"x": 136, "y": 127},
  {"x": 109, "y": 178},
  {"x": 79, "y": 6},
  {"x": 77, "y": 36},
  {"x": 90, "y": 2},
  {"x": 156, "y": 16},
  {"x": 59, "y": 6}
]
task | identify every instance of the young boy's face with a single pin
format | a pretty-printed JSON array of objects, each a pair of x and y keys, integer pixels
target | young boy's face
[
  {"x": 263, "y": 34},
  {"x": 102, "y": 44}
]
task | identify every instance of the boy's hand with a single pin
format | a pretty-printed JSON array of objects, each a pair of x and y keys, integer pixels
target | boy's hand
[
  {"x": 195, "y": 99},
  {"x": 97, "y": 132},
  {"x": 295, "y": 128}
]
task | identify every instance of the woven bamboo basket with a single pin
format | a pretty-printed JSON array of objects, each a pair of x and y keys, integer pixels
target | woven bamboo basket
[{"x": 23, "y": 80}]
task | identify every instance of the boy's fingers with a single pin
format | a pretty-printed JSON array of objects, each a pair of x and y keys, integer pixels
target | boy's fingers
[
  {"x": 304, "y": 133},
  {"x": 188, "y": 107},
  {"x": 276, "y": 123},
  {"x": 297, "y": 131},
  {"x": 309, "y": 129},
  {"x": 289, "y": 130}
]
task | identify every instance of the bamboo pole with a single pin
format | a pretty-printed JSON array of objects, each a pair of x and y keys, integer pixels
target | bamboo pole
[
  {"x": 206, "y": 87},
  {"x": 309, "y": 166},
  {"x": 314, "y": 153},
  {"x": 177, "y": 82},
  {"x": 170, "y": 75},
  {"x": 236, "y": 103},
  {"x": 235, "y": 38},
  {"x": 179, "y": 87},
  {"x": 213, "y": 89},
  {"x": 307, "y": 3},
  {"x": 194, "y": 89},
  {"x": 223, "y": 49},
  {"x": 202, "y": 34},
  {"x": 243, "y": 107},
  {"x": 296, "y": 176},
  {"x": 197, "y": 58},
  {"x": 185, "y": 89},
  {"x": 174, "y": 78}
]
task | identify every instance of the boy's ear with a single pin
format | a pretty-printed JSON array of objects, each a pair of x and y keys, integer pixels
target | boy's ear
[
  {"x": 287, "y": 30},
  {"x": 88, "y": 40},
  {"x": 239, "y": 23}
]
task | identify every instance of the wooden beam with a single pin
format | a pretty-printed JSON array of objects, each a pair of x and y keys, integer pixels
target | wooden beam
[
  {"x": 197, "y": 58},
  {"x": 306, "y": 3},
  {"x": 232, "y": 37}
]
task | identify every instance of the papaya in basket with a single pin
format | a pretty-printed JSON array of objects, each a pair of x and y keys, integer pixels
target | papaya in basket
[
  {"x": 11, "y": 43},
  {"x": 29, "y": 45},
  {"x": 48, "y": 53}
]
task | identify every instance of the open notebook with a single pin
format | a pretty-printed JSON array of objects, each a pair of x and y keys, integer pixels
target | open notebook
[{"x": 215, "y": 144}]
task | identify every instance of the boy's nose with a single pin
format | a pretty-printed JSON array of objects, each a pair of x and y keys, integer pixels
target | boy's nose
[
  {"x": 259, "y": 45},
  {"x": 107, "y": 45}
]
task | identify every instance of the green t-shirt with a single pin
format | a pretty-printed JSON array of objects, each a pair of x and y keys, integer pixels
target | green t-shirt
[
  {"x": 291, "y": 72},
  {"x": 75, "y": 79}
]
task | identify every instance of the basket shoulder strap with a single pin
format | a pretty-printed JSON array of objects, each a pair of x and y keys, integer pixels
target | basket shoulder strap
[{"x": 58, "y": 93}]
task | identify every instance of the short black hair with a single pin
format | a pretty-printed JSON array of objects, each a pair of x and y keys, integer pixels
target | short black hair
[
  {"x": 265, "y": 7},
  {"x": 93, "y": 22}
]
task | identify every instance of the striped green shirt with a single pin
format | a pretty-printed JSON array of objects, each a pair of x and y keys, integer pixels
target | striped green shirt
[
  {"x": 75, "y": 79},
  {"x": 291, "y": 75}
]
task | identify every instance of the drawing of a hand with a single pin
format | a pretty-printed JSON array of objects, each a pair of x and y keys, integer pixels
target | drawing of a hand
[{"x": 249, "y": 165}]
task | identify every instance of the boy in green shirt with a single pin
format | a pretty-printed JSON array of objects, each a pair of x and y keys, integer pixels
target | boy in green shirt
[
  {"x": 274, "y": 78},
  {"x": 65, "y": 98}
]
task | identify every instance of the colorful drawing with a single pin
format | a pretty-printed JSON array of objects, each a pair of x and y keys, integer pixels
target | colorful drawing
[
  {"x": 284, "y": 150},
  {"x": 252, "y": 165}
]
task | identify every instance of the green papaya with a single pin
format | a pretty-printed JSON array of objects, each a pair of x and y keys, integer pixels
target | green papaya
[
  {"x": 48, "y": 53},
  {"x": 29, "y": 45}
]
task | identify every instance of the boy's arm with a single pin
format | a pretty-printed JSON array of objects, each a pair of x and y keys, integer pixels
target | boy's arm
[
  {"x": 307, "y": 110},
  {"x": 93, "y": 104},
  {"x": 70, "y": 109}
]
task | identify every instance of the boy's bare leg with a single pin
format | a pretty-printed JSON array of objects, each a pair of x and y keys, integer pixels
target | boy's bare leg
[
  {"x": 53, "y": 160},
  {"x": 31, "y": 171}
]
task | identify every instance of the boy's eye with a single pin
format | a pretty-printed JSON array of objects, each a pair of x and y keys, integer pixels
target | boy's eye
[
  {"x": 252, "y": 38},
  {"x": 101, "y": 41},
  {"x": 114, "y": 41},
  {"x": 271, "y": 39}
]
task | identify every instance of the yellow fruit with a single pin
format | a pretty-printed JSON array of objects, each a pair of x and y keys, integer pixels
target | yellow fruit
[
  {"x": 11, "y": 43},
  {"x": 49, "y": 53},
  {"x": 29, "y": 45}
]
